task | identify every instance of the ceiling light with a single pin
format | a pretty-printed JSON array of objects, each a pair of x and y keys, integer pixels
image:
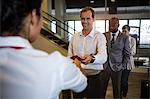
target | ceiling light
[
  {"x": 91, "y": 1},
  {"x": 113, "y": 0}
]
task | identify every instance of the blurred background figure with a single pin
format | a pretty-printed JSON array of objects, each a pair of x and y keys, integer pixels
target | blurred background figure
[
  {"x": 118, "y": 50},
  {"x": 130, "y": 64}
]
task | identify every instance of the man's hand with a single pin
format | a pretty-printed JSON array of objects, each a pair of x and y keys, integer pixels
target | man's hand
[{"x": 86, "y": 59}]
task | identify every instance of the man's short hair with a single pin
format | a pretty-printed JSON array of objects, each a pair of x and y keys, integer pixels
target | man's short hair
[{"x": 88, "y": 9}]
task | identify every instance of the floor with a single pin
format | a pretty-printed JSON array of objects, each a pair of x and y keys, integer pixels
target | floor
[{"x": 134, "y": 86}]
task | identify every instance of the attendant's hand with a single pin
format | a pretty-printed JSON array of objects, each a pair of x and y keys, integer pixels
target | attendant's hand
[{"x": 78, "y": 64}]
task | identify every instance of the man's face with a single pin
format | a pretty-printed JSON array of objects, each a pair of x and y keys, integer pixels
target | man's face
[
  {"x": 113, "y": 26},
  {"x": 87, "y": 20}
]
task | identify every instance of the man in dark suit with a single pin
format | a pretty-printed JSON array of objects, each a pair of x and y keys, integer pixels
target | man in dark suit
[{"x": 118, "y": 50}]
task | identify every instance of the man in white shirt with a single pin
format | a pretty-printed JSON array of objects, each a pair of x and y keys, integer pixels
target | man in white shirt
[
  {"x": 27, "y": 73},
  {"x": 90, "y": 47}
]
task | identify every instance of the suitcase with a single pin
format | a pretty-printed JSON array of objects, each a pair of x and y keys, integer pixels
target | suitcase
[{"x": 145, "y": 89}]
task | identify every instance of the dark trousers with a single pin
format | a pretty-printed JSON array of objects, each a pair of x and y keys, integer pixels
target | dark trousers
[
  {"x": 116, "y": 82},
  {"x": 93, "y": 89},
  {"x": 124, "y": 82},
  {"x": 66, "y": 94}
]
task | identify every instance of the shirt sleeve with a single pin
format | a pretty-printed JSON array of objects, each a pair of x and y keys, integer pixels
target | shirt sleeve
[
  {"x": 126, "y": 52},
  {"x": 101, "y": 55},
  {"x": 71, "y": 76},
  {"x": 133, "y": 46}
]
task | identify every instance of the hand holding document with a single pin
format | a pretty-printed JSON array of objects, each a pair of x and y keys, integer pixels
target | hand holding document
[
  {"x": 77, "y": 60},
  {"x": 76, "y": 57}
]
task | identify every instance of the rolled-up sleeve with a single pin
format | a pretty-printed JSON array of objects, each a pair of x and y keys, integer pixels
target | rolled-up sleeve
[{"x": 72, "y": 78}]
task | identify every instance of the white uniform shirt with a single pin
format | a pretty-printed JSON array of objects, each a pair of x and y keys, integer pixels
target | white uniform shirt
[
  {"x": 94, "y": 43},
  {"x": 28, "y": 73}
]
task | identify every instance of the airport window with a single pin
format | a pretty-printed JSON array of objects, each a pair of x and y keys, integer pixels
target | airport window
[
  {"x": 135, "y": 23},
  {"x": 122, "y": 23},
  {"x": 107, "y": 25},
  {"x": 78, "y": 26},
  {"x": 134, "y": 32},
  {"x": 145, "y": 32},
  {"x": 71, "y": 24},
  {"x": 74, "y": 25},
  {"x": 70, "y": 30},
  {"x": 100, "y": 25},
  {"x": 135, "y": 29},
  {"x": 53, "y": 26}
]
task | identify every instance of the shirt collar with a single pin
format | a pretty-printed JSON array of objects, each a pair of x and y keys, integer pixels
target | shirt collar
[
  {"x": 91, "y": 34},
  {"x": 14, "y": 41},
  {"x": 116, "y": 34}
]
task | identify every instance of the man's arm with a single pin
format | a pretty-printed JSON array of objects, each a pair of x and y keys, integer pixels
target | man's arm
[
  {"x": 133, "y": 48},
  {"x": 101, "y": 55},
  {"x": 101, "y": 52},
  {"x": 126, "y": 52}
]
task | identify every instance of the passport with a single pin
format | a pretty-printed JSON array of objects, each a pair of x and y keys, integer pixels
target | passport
[{"x": 76, "y": 56}]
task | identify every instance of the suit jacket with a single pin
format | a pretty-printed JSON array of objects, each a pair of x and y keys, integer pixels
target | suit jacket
[{"x": 118, "y": 53}]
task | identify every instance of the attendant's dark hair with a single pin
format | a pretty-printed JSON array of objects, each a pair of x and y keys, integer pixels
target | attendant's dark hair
[
  {"x": 13, "y": 13},
  {"x": 126, "y": 27}
]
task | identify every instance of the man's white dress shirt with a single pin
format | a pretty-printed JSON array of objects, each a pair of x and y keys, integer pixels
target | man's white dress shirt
[
  {"x": 116, "y": 35},
  {"x": 94, "y": 43},
  {"x": 27, "y": 73}
]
